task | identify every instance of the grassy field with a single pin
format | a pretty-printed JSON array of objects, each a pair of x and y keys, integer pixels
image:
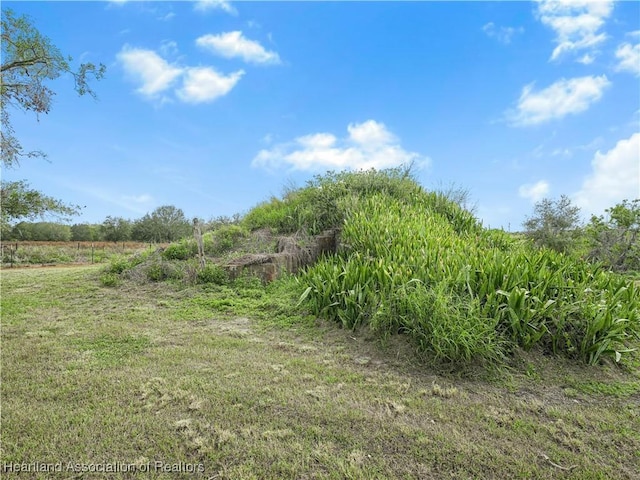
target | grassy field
[
  {"x": 224, "y": 382},
  {"x": 23, "y": 253}
]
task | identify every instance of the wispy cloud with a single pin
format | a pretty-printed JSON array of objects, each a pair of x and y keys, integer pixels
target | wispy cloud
[
  {"x": 628, "y": 58},
  {"x": 615, "y": 176},
  {"x": 210, "y": 5},
  {"x": 157, "y": 78},
  {"x": 536, "y": 191},
  {"x": 166, "y": 17},
  {"x": 236, "y": 45},
  {"x": 144, "y": 199},
  {"x": 586, "y": 59},
  {"x": 136, "y": 203},
  {"x": 562, "y": 98},
  {"x": 502, "y": 34},
  {"x": 368, "y": 145},
  {"x": 576, "y": 23}
]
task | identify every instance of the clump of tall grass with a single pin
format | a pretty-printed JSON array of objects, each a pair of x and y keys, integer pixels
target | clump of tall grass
[{"x": 418, "y": 263}]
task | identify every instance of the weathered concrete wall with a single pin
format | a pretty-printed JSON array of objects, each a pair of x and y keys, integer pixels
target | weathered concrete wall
[{"x": 291, "y": 255}]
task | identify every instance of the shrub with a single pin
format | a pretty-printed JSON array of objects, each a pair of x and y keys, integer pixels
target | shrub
[
  {"x": 109, "y": 279},
  {"x": 118, "y": 265},
  {"x": 613, "y": 239},
  {"x": 211, "y": 274},
  {"x": 180, "y": 251},
  {"x": 224, "y": 239},
  {"x": 159, "y": 270}
]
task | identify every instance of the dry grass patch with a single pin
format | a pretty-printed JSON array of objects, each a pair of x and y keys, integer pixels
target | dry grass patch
[{"x": 155, "y": 372}]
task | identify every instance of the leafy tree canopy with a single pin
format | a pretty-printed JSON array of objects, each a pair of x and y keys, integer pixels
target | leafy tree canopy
[
  {"x": 614, "y": 238},
  {"x": 29, "y": 60},
  {"x": 19, "y": 201},
  {"x": 116, "y": 229},
  {"x": 164, "y": 224}
]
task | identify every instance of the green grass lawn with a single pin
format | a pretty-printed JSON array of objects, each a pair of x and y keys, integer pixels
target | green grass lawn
[{"x": 223, "y": 381}]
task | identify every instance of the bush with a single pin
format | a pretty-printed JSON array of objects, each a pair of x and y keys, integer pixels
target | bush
[
  {"x": 118, "y": 265},
  {"x": 212, "y": 274},
  {"x": 158, "y": 271},
  {"x": 224, "y": 239},
  {"x": 613, "y": 239},
  {"x": 110, "y": 279},
  {"x": 180, "y": 251}
]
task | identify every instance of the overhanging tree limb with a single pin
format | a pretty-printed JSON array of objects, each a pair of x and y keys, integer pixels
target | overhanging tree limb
[{"x": 28, "y": 60}]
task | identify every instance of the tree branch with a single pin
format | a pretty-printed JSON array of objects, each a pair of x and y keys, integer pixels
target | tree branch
[{"x": 22, "y": 63}]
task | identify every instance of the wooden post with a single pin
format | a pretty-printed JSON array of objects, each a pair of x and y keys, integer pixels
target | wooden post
[{"x": 197, "y": 233}]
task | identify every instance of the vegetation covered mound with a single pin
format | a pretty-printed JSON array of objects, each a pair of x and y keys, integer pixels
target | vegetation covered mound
[{"x": 416, "y": 262}]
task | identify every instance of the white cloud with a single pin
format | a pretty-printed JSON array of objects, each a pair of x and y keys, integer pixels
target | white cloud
[
  {"x": 562, "y": 98},
  {"x": 208, "y": 5},
  {"x": 370, "y": 134},
  {"x": 615, "y": 176},
  {"x": 368, "y": 145},
  {"x": 158, "y": 77},
  {"x": 577, "y": 23},
  {"x": 234, "y": 44},
  {"x": 502, "y": 34},
  {"x": 204, "y": 84},
  {"x": 629, "y": 56},
  {"x": 534, "y": 192},
  {"x": 154, "y": 73}
]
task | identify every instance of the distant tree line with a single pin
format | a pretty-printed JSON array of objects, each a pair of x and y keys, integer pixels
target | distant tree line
[{"x": 164, "y": 224}]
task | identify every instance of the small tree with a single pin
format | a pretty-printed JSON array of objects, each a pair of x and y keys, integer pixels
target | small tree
[
  {"x": 554, "y": 224},
  {"x": 614, "y": 239}
]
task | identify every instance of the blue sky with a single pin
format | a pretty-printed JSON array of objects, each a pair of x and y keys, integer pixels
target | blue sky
[{"x": 215, "y": 106}]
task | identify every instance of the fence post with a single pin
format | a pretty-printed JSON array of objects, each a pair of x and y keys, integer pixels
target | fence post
[
  {"x": 91, "y": 252},
  {"x": 197, "y": 232}
]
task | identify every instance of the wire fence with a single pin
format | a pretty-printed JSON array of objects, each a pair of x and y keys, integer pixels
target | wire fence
[{"x": 25, "y": 253}]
